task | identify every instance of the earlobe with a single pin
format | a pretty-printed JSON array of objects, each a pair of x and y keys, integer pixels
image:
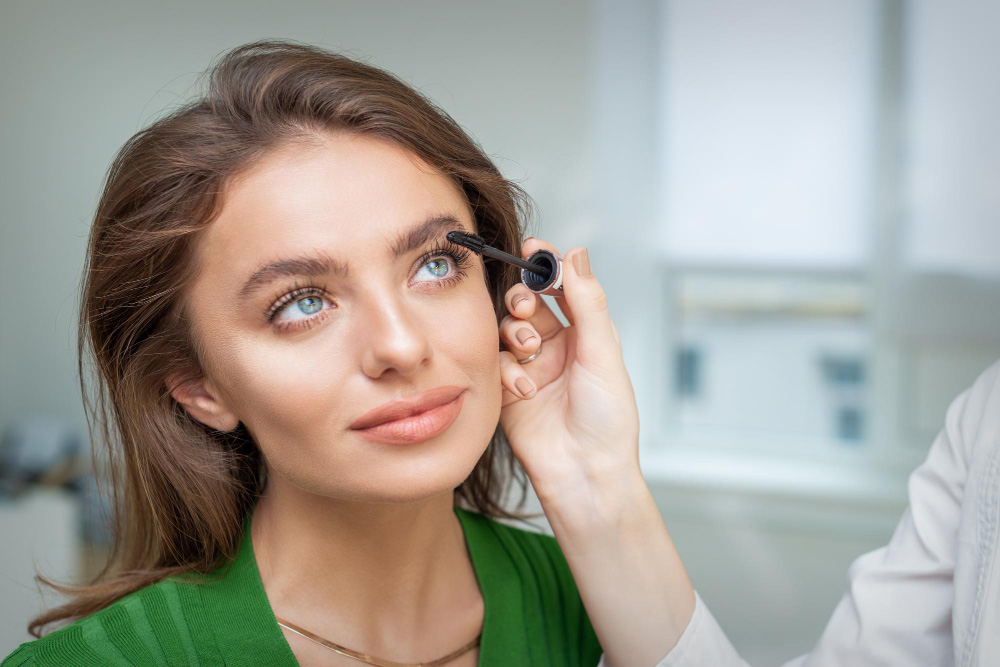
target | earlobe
[{"x": 200, "y": 400}]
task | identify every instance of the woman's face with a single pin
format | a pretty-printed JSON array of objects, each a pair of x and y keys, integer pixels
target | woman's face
[{"x": 391, "y": 323}]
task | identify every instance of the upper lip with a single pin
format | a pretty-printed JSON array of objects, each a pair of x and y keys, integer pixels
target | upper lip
[{"x": 403, "y": 408}]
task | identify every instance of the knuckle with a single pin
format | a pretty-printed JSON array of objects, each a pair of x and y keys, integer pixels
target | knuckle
[{"x": 508, "y": 361}]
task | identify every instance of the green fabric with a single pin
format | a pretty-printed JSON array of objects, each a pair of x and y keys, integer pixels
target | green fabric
[{"x": 533, "y": 613}]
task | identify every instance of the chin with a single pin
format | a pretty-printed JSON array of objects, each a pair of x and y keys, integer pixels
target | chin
[
  {"x": 422, "y": 479},
  {"x": 398, "y": 489},
  {"x": 395, "y": 475}
]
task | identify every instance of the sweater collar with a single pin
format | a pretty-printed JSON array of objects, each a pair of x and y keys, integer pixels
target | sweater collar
[{"x": 247, "y": 632}]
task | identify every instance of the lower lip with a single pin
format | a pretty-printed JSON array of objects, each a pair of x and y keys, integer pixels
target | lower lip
[{"x": 416, "y": 428}]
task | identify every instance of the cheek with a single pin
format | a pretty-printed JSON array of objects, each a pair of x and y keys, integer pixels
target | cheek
[
  {"x": 471, "y": 338},
  {"x": 481, "y": 341},
  {"x": 280, "y": 390}
]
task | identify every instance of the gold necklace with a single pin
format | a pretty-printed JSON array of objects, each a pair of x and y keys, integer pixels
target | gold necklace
[{"x": 342, "y": 650}]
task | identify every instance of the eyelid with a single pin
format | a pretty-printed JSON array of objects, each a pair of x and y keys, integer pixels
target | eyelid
[
  {"x": 456, "y": 252},
  {"x": 288, "y": 297}
]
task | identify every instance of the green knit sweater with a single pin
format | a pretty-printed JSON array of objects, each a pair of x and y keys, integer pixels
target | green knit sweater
[{"x": 533, "y": 613}]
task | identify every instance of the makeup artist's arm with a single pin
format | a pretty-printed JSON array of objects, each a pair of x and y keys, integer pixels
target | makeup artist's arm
[
  {"x": 629, "y": 574},
  {"x": 577, "y": 438}
]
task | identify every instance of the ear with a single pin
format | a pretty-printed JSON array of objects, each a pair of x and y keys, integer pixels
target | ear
[{"x": 201, "y": 400}]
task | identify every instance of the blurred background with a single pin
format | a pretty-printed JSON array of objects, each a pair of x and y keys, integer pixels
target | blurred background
[{"x": 793, "y": 207}]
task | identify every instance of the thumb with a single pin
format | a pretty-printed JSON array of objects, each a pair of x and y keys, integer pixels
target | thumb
[{"x": 597, "y": 341}]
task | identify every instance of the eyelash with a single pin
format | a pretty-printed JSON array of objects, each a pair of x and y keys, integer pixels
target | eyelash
[{"x": 458, "y": 255}]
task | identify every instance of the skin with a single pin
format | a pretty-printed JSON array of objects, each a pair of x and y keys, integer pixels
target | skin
[{"x": 357, "y": 540}]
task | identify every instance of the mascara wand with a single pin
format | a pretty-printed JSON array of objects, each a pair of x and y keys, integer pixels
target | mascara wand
[
  {"x": 542, "y": 271},
  {"x": 474, "y": 242}
]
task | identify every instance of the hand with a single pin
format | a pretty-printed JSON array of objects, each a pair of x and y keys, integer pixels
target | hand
[
  {"x": 577, "y": 436},
  {"x": 579, "y": 426}
]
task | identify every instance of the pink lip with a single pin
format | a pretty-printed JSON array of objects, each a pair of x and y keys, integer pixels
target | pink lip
[{"x": 412, "y": 418}]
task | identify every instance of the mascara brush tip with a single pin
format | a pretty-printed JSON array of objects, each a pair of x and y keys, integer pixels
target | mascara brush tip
[{"x": 471, "y": 241}]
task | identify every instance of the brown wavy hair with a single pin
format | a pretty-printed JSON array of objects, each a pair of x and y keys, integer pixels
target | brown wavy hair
[{"x": 180, "y": 490}]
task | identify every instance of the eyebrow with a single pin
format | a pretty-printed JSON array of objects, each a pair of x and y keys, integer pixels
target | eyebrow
[{"x": 319, "y": 264}]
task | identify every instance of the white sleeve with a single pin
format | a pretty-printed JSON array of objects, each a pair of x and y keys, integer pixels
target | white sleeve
[
  {"x": 897, "y": 609},
  {"x": 702, "y": 643}
]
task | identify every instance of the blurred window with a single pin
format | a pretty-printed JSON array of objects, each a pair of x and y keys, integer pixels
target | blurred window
[{"x": 830, "y": 220}]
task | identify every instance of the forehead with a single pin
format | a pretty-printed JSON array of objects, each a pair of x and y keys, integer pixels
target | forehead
[{"x": 352, "y": 192}]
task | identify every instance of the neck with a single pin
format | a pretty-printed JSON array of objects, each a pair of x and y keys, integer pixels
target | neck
[{"x": 367, "y": 574}]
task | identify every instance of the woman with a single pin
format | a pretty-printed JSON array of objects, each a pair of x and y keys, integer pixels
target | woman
[{"x": 268, "y": 282}]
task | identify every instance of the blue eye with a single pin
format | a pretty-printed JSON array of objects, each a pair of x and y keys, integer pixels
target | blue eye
[
  {"x": 309, "y": 304},
  {"x": 439, "y": 260},
  {"x": 438, "y": 267},
  {"x": 304, "y": 302}
]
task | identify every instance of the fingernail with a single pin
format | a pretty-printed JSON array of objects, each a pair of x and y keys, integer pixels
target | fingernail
[
  {"x": 524, "y": 386},
  {"x": 581, "y": 262},
  {"x": 524, "y": 334},
  {"x": 518, "y": 298}
]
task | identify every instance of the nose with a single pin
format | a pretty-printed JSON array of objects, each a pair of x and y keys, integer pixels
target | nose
[{"x": 393, "y": 337}]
